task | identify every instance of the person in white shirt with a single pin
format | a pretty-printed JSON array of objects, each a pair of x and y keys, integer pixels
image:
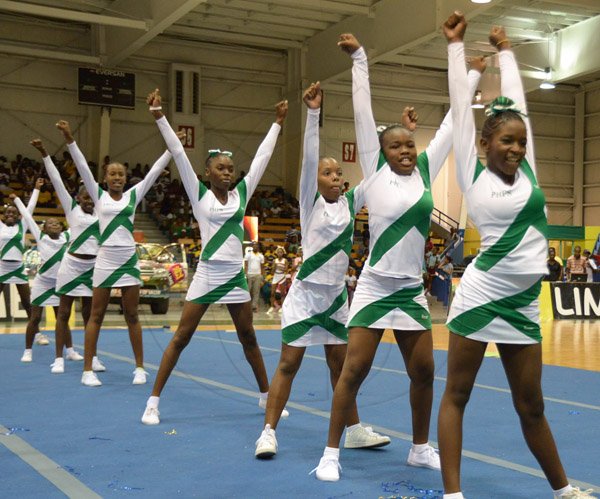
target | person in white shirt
[
  {"x": 220, "y": 276},
  {"x": 497, "y": 298},
  {"x": 590, "y": 265},
  {"x": 254, "y": 263}
]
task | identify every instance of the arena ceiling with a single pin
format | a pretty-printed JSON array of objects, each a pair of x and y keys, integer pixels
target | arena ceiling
[{"x": 557, "y": 34}]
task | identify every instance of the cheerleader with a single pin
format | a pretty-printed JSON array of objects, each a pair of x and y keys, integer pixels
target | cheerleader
[
  {"x": 219, "y": 277},
  {"x": 389, "y": 293},
  {"x": 116, "y": 265},
  {"x": 280, "y": 268},
  {"x": 51, "y": 244},
  {"x": 497, "y": 299},
  {"x": 74, "y": 277},
  {"x": 12, "y": 247},
  {"x": 316, "y": 308}
]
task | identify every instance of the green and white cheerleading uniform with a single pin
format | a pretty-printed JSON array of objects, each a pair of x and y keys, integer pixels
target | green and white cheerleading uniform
[
  {"x": 43, "y": 289},
  {"x": 315, "y": 310},
  {"x": 74, "y": 276},
  {"x": 497, "y": 298},
  {"x": 389, "y": 293},
  {"x": 219, "y": 277},
  {"x": 12, "y": 247},
  {"x": 117, "y": 264}
]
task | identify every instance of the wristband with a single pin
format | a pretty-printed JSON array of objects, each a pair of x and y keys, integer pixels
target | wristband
[{"x": 155, "y": 108}]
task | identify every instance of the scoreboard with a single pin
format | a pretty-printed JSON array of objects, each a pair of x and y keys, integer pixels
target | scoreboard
[{"x": 105, "y": 87}]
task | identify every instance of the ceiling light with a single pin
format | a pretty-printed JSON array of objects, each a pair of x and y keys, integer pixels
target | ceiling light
[
  {"x": 547, "y": 83},
  {"x": 477, "y": 101},
  {"x": 481, "y": 1}
]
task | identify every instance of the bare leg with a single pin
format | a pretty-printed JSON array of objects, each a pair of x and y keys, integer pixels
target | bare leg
[
  {"x": 130, "y": 300},
  {"x": 33, "y": 326},
  {"x": 24, "y": 294},
  {"x": 100, "y": 300},
  {"x": 523, "y": 367},
  {"x": 336, "y": 355},
  {"x": 464, "y": 360},
  {"x": 362, "y": 345},
  {"x": 86, "y": 309},
  {"x": 63, "y": 332},
  {"x": 281, "y": 384},
  {"x": 417, "y": 351},
  {"x": 241, "y": 314},
  {"x": 190, "y": 318}
]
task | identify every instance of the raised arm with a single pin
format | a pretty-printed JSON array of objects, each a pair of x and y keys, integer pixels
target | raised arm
[
  {"x": 158, "y": 167},
  {"x": 364, "y": 123},
  {"x": 310, "y": 159},
  {"x": 186, "y": 170},
  {"x": 265, "y": 150},
  {"x": 511, "y": 85},
  {"x": 79, "y": 159},
  {"x": 35, "y": 194},
  {"x": 65, "y": 198},
  {"x": 465, "y": 152},
  {"x": 28, "y": 217}
]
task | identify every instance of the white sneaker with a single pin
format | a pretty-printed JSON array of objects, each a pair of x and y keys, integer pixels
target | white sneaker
[
  {"x": 329, "y": 469},
  {"x": 58, "y": 366},
  {"x": 89, "y": 378},
  {"x": 429, "y": 458},
  {"x": 364, "y": 437},
  {"x": 576, "y": 492},
  {"x": 266, "y": 445},
  {"x": 97, "y": 366},
  {"x": 27, "y": 356},
  {"x": 41, "y": 339},
  {"x": 270, "y": 311},
  {"x": 139, "y": 376},
  {"x": 73, "y": 355},
  {"x": 262, "y": 403},
  {"x": 151, "y": 416}
]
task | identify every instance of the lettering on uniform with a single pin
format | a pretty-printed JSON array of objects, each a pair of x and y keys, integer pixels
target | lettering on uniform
[{"x": 501, "y": 194}]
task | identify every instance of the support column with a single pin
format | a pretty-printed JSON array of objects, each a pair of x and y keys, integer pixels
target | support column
[
  {"x": 104, "y": 143},
  {"x": 578, "y": 158}
]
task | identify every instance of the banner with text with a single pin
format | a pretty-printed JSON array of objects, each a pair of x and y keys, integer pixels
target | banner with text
[{"x": 576, "y": 300}]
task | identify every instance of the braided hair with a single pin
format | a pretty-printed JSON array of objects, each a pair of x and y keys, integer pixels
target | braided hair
[{"x": 500, "y": 111}]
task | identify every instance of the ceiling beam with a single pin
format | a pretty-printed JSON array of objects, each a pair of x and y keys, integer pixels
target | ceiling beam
[
  {"x": 70, "y": 15},
  {"x": 348, "y": 9},
  {"x": 234, "y": 37},
  {"x": 48, "y": 54},
  {"x": 121, "y": 43}
]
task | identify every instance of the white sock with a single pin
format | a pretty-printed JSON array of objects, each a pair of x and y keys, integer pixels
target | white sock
[
  {"x": 456, "y": 495},
  {"x": 28, "y": 350},
  {"x": 332, "y": 452},
  {"x": 418, "y": 448},
  {"x": 564, "y": 490},
  {"x": 153, "y": 402},
  {"x": 264, "y": 395},
  {"x": 353, "y": 427},
  {"x": 95, "y": 358}
]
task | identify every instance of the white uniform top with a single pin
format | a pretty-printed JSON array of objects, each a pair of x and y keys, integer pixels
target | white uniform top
[
  {"x": 400, "y": 206},
  {"x": 51, "y": 250},
  {"x": 511, "y": 219},
  {"x": 84, "y": 228},
  {"x": 221, "y": 228},
  {"x": 116, "y": 217},
  {"x": 12, "y": 237},
  {"x": 327, "y": 228}
]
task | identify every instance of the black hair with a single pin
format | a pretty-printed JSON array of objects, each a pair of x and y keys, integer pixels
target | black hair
[{"x": 390, "y": 128}]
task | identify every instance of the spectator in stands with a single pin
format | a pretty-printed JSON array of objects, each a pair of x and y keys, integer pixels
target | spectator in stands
[
  {"x": 432, "y": 261},
  {"x": 293, "y": 245},
  {"x": 350, "y": 283},
  {"x": 576, "y": 265},
  {"x": 46, "y": 198},
  {"x": 292, "y": 232},
  {"x": 254, "y": 265},
  {"x": 445, "y": 268},
  {"x": 590, "y": 265},
  {"x": 555, "y": 267},
  {"x": 136, "y": 174}
]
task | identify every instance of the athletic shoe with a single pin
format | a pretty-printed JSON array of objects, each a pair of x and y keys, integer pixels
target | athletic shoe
[
  {"x": 151, "y": 416},
  {"x": 73, "y": 355},
  {"x": 266, "y": 445},
  {"x": 576, "y": 492},
  {"x": 27, "y": 356},
  {"x": 270, "y": 311},
  {"x": 89, "y": 378},
  {"x": 97, "y": 366},
  {"x": 139, "y": 376},
  {"x": 262, "y": 403},
  {"x": 363, "y": 437},
  {"x": 429, "y": 458},
  {"x": 455, "y": 495},
  {"x": 329, "y": 469},
  {"x": 41, "y": 339},
  {"x": 58, "y": 367}
]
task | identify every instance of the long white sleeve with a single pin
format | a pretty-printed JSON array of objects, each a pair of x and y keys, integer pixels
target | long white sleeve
[
  {"x": 35, "y": 194},
  {"x": 439, "y": 148},
  {"x": 31, "y": 224},
  {"x": 310, "y": 164},
  {"x": 511, "y": 86},
  {"x": 84, "y": 170},
  {"x": 364, "y": 123},
  {"x": 261, "y": 160},
  {"x": 65, "y": 198},
  {"x": 189, "y": 179},
  {"x": 465, "y": 152},
  {"x": 141, "y": 188}
]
